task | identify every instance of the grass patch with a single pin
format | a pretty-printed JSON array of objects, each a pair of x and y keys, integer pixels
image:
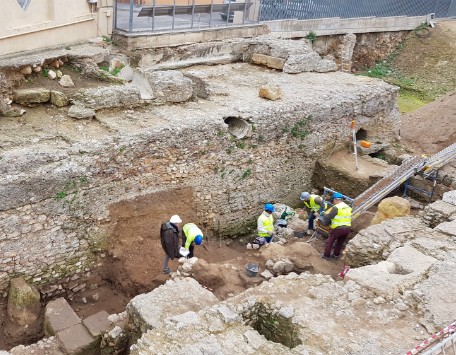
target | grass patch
[{"x": 409, "y": 100}]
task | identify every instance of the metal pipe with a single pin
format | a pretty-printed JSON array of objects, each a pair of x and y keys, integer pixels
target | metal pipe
[
  {"x": 174, "y": 13},
  {"x": 130, "y": 17},
  {"x": 153, "y": 16}
]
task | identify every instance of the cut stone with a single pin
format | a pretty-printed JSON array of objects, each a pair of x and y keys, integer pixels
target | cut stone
[
  {"x": 77, "y": 340},
  {"x": 58, "y": 98},
  {"x": 268, "y": 61},
  {"x": 271, "y": 92},
  {"x": 32, "y": 96},
  {"x": 97, "y": 323},
  {"x": 59, "y": 316}
]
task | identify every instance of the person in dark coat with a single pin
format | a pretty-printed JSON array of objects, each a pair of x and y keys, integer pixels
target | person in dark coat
[{"x": 169, "y": 237}]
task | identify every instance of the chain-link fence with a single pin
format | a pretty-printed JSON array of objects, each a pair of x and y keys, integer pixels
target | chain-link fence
[{"x": 313, "y": 9}]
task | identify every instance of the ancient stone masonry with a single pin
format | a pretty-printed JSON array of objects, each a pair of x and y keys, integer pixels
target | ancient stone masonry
[{"x": 57, "y": 192}]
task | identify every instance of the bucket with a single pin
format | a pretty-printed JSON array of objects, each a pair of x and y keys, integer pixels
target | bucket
[{"x": 252, "y": 269}]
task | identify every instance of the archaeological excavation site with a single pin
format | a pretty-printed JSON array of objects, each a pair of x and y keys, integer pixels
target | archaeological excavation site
[{"x": 259, "y": 148}]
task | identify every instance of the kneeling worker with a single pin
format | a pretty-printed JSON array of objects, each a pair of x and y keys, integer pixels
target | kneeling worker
[
  {"x": 313, "y": 204},
  {"x": 339, "y": 216},
  {"x": 191, "y": 235},
  {"x": 266, "y": 223}
]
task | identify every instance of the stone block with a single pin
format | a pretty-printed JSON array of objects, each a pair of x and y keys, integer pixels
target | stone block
[
  {"x": 270, "y": 92},
  {"x": 108, "y": 96},
  {"x": 299, "y": 63},
  {"x": 97, "y": 323},
  {"x": 23, "y": 302},
  {"x": 77, "y": 340},
  {"x": 449, "y": 197},
  {"x": 268, "y": 61},
  {"x": 81, "y": 112},
  {"x": 448, "y": 228},
  {"x": 58, "y": 98},
  {"x": 391, "y": 207},
  {"x": 171, "y": 86},
  {"x": 31, "y": 97},
  {"x": 59, "y": 316},
  {"x": 66, "y": 81}
]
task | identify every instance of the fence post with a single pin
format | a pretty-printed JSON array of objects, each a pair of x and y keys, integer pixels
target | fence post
[{"x": 130, "y": 17}]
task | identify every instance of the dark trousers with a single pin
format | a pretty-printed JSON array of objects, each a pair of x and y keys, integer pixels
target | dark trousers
[
  {"x": 190, "y": 249},
  {"x": 338, "y": 235},
  {"x": 311, "y": 219}
]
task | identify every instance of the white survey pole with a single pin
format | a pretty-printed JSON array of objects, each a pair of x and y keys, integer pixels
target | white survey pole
[{"x": 353, "y": 126}]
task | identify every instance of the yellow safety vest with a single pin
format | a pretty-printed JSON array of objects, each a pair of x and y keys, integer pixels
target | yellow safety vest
[
  {"x": 312, "y": 205},
  {"x": 268, "y": 224},
  {"x": 343, "y": 216},
  {"x": 190, "y": 231}
]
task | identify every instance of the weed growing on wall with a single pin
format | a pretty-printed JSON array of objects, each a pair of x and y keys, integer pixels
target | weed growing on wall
[{"x": 70, "y": 194}]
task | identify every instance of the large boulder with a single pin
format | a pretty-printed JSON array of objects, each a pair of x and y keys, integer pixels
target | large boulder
[
  {"x": 31, "y": 97},
  {"x": 23, "y": 302},
  {"x": 170, "y": 86},
  {"x": 391, "y": 207},
  {"x": 268, "y": 61}
]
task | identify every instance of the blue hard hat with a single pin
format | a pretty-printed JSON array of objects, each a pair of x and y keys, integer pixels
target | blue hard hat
[
  {"x": 338, "y": 195},
  {"x": 198, "y": 239},
  {"x": 304, "y": 196},
  {"x": 269, "y": 207}
]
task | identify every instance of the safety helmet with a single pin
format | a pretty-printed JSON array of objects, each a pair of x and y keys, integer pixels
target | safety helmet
[
  {"x": 269, "y": 207},
  {"x": 198, "y": 239},
  {"x": 338, "y": 195},
  {"x": 175, "y": 219},
  {"x": 304, "y": 196}
]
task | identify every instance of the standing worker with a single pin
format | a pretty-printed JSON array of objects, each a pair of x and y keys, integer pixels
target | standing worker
[
  {"x": 266, "y": 223},
  {"x": 191, "y": 235},
  {"x": 313, "y": 204},
  {"x": 340, "y": 216},
  {"x": 169, "y": 237}
]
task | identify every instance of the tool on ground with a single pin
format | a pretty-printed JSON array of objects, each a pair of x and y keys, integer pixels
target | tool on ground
[
  {"x": 355, "y": 148},
  {"x": 344, "y": 271},
  {"x": 252, "y": 269}
]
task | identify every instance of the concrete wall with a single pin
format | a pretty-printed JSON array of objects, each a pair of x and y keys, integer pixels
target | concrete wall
[
  {"x": 50, "y": 23},
  {"x": 336, "y": 25},
  {"x": 147, "y": 40}
]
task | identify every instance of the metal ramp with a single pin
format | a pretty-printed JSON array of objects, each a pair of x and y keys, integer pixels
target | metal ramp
[{"x": 410, "y": 167}]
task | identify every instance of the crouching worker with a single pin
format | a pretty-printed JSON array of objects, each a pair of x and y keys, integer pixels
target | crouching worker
[
  {"x": 192, "y": 235},
  {"x": 266, "y": 223},
  {"x": 339, "y": 216},
  {"x": 313, "y": 204},
  {"x": 169, "y": 237}
]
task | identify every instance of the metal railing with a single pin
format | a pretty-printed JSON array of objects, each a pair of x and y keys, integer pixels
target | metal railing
[
  {"x": 178, "y": 15},
  {"x": 314, "y": 9}
]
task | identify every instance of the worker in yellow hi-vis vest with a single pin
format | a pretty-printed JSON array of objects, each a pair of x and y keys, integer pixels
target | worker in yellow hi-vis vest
[
  {"x": 339, "y": 216},
  {"x": 266, "y": 223},
  {"x": 313, "y": 204},
  {"x": 191, "y": 235}
]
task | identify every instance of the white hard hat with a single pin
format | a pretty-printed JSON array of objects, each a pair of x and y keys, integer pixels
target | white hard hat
[{"x": 175, "y": 219}]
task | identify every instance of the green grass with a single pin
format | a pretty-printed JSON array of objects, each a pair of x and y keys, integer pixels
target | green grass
[{"x": 409, "y": 101}]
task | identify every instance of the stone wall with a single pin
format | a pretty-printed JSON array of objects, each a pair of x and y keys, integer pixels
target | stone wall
[{"x": 57, "y": 191}]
